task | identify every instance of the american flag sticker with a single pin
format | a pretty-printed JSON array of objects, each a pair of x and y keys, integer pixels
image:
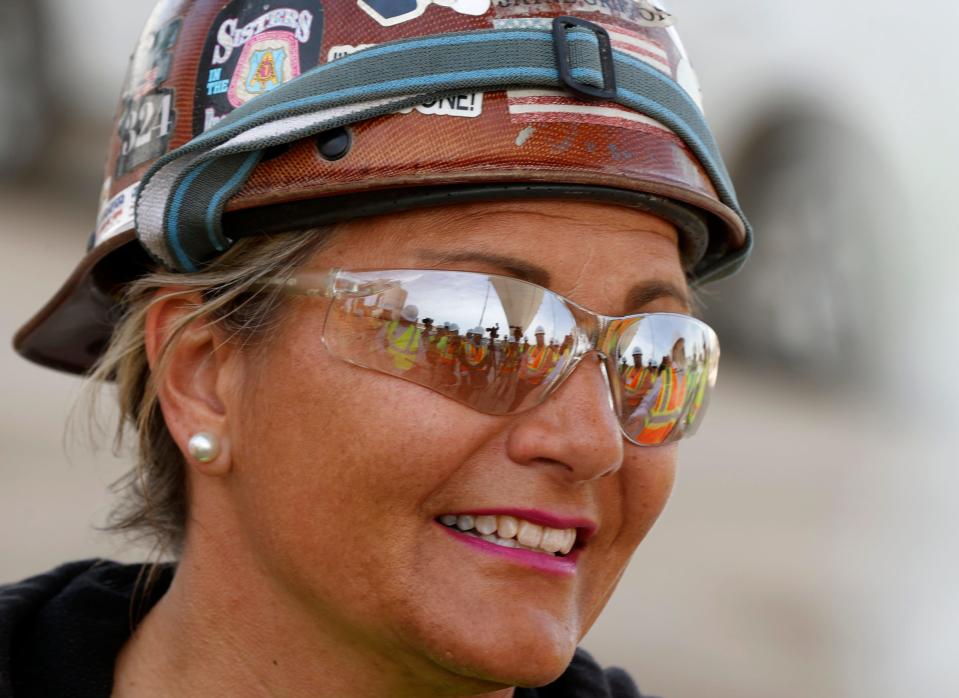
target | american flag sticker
[
  {"x": 538, "y": 106},
  {"x": 529, "y": 106},
  {"x": 640, "y": 47}
]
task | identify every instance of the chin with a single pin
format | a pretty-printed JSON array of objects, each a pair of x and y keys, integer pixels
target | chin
[{"x": 534, "y": 654}]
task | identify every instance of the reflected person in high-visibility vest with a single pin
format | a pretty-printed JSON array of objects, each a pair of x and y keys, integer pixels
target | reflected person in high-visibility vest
[
  {"x": 448, "y": 352},
  {"x": 698, "y": 382},
  {"x": 669, "y": 392},
  {"x": 637, "y": 380},
  {"x": 433, "y": 344},
  {"x": 507, "y": 372},
  {"x": 476, "y": 363},
  {"x": 537, "y": 362},
  {"x": 404, "y": 341}
]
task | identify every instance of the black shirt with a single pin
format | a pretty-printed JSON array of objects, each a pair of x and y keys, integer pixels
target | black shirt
[{"x": 60, "y": 634}]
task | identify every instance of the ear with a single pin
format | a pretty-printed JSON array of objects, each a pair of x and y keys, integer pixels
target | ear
[{"x": 198, "y": 375}]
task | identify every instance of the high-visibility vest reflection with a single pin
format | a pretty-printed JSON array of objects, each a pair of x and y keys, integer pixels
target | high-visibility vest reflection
[
  {"x": 699, "y": 383},
  {"x": 475, "y": 354},
  {"x": 670, "y": 391},
  {"x": 637, "y": 380},
  {"x": 403, "y": 344},
  {"x": 540, "y": 358}
]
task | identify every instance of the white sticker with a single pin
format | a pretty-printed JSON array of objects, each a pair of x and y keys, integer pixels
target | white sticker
[
  {"x": 392, "y": 12},
  {"x": 685, "y": 75},
  {"x": 210, "y": 119},
  {"x": 653, "y": 16},
  {"x": 468, "y": 105},
  {"x": 104, "y": 193},
  {"x": 116, "y": 215},
  {"x": 345, "y": 50}
]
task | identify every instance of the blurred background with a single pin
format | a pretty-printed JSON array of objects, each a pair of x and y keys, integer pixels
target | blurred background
[{"x": 810, "y": 547}]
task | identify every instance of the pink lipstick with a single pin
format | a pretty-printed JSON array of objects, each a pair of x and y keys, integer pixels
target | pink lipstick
[{"x": 544, "y": 562}]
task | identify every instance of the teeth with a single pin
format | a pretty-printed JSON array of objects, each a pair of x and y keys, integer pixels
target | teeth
[
  {"x": 506, "y": 527},
  {"x": 510, "y": 532},
  {"x": 486, "y": 525},
  {"x": 569, "y": 542},
  {"x": 529, "y": 534},
  {"x": 553, "y": 540}
]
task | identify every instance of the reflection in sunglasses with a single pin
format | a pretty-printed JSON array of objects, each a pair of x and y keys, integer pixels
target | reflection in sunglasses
[{"x": 521, "y": 341}]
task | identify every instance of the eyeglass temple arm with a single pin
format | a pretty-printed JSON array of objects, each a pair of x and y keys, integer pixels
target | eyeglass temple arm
[{"x": 307, "y": 283}]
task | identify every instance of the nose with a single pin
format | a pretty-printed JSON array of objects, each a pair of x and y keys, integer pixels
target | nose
[{"x": 575, "y": 429}]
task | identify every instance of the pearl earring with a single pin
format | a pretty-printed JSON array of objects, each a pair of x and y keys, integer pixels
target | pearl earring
[{"x": 204, "y": 447}]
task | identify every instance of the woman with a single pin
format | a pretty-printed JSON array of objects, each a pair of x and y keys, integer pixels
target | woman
[{"x": 342, "y": 519}]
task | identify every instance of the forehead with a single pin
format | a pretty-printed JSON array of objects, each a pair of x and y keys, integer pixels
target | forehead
[{"x": 566, "y": 242}]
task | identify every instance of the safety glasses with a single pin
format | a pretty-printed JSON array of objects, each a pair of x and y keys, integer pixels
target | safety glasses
[{"x": 502, "y": 346}]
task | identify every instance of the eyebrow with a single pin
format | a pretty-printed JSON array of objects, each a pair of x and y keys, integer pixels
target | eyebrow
[
  {"x": 640, "y": 295},
  {"x": 645, "y": 293}
]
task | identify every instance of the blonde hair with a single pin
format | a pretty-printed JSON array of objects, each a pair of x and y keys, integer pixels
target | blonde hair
[{"x": 152, "y": 495}]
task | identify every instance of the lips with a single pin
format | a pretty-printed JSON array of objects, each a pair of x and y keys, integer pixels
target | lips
[
  {"x": 510, "y": 532},
  {"x": 526, "y": 529}
]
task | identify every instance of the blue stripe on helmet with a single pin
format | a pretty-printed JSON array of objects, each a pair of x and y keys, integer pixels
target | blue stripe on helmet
[{"x": 239, "y": 176}]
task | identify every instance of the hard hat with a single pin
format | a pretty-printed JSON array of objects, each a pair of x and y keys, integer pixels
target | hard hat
[
  {"x": 241, "y": 118},
  {"x": 410, "y": 313}
]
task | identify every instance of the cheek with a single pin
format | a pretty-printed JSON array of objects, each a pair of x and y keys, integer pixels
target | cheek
[
  {"x": 338, "y": 462},
  {"x": 646, "y": 481},
  {"x": 638, "y": 494},
  {"x": 648, "y": 477},
  {"x": 331, "y": 420}
]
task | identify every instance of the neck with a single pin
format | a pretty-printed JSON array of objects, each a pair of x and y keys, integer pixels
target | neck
[{"x": 225, "y": 628}]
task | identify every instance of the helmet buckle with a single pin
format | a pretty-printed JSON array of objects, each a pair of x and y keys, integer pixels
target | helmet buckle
[{"x": 561, "y": 25}]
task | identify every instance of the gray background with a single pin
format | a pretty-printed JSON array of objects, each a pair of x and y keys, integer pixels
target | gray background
[{"x": 810, "y": 545}]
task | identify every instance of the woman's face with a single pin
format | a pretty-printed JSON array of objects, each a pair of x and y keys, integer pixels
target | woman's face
[{"x": 342, "y": 473}]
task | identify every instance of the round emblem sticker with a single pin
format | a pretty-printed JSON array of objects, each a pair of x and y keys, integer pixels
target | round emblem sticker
[{"x": 254, "y": 47}]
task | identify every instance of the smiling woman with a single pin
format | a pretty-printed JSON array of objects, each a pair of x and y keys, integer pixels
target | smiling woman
[{"x": 403, "y": 414}]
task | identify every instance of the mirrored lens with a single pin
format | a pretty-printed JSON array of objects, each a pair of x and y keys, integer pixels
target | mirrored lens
[
  {"x": 666, "y": 365},
  {"x": 491, "y": 342}
]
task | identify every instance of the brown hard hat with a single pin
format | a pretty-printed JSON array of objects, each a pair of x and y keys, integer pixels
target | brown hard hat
[{"x": 246, "y": 117}]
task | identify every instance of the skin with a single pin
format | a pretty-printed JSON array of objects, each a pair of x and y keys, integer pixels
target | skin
[{"x": 313, "y": 565}]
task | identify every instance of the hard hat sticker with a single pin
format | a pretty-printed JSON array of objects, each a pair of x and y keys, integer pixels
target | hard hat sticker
[
  {"x": 266, "y": 63},
  {"x": 147, "y": 116},
  {"x": 391, "y": 12},
  {"x": 116, "y": 215},
  {"x": 640, "y": 13},
  {"x": 638, "y": 44},
  {"x": 145, "y": 127},
  {"x": 344, "y": 50},
  {"x": 253, "y": 48},
  {"x": 469, "y": 105},
  {"x": 530, "y": 106}
]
